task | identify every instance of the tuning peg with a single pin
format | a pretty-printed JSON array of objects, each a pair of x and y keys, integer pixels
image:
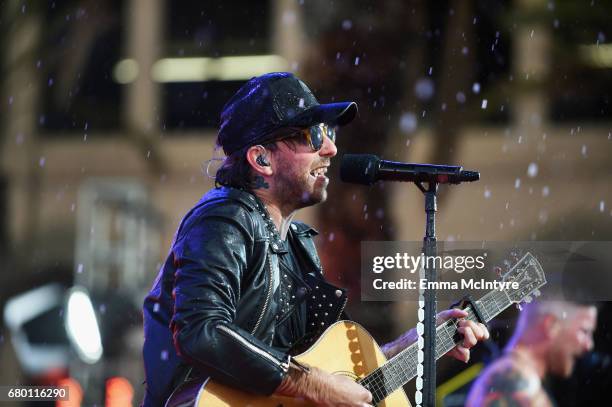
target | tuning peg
[
  {"x": 537, "y": 293},
  {"x": 528, "y": 299},
  {"x": 519, "y": 307}
]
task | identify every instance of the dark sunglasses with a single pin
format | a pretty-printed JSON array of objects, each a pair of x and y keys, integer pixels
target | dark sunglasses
[{"x": 315, "y": 135}]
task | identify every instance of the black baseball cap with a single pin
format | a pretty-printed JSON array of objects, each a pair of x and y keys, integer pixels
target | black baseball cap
[{"x": 271, "y": 102}]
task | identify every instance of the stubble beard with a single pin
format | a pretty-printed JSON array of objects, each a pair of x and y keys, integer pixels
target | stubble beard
[{"x": 296, "y": 191}]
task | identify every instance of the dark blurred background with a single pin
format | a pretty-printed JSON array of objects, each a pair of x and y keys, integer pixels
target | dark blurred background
[{"x": 109, "y": 109}]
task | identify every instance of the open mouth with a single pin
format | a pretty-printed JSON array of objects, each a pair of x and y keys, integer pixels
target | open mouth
[{"x": 319, "y": 172}]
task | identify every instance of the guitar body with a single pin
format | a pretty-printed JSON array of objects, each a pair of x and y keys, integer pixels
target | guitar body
[{"x": 345, "y": 348}]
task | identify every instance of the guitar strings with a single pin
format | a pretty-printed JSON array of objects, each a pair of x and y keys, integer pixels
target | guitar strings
[
  {"x": 378, "y": 383},
  {"x": 376, "y": 379}
]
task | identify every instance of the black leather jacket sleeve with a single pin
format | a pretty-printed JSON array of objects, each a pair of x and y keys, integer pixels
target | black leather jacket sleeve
[{"x": 210, "y": 254}]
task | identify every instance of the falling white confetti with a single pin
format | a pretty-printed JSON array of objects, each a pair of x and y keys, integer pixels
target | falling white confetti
[
  {"x": 41, "y": 161},
  {"x": 517, "y": 183},
  {"x": 487, "y": 193},
  {"x": 601, "y": 37},
  {"x": 476, "y": 87},
  {"x": 408, "y": 122},
  {"x": 545, "y": 191},
  {"x": 602, "y": 206},
  {"x": 424, "y": 88},
  {"x": 347, "y": 25},
  {"x": 484, "y": 104},
  {"x": 356, "y": 61},
  {"x": 543, "y": 216},
  {"x": 80, "y": 268},
  {"x": 532, "y": 170},
  {"x": 583, "y": 151}
]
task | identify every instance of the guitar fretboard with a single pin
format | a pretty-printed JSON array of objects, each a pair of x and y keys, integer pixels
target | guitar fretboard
[{"x": 400, "y": 369}]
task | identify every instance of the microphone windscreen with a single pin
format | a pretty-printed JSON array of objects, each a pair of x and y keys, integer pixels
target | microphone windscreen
[
  {"x": 470, "y": 176},
  {"x": 359, "y": 168}
]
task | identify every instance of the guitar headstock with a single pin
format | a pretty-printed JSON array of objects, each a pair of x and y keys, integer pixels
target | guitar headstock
[{"x": 529, "y": 275}]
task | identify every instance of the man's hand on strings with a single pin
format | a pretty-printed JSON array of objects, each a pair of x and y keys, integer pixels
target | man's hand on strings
[{"x": 473, "y": 332}]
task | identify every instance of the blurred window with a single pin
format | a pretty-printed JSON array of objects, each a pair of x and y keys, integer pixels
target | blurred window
[
  {"x": 81, "y": 43},
  {"x": 493, "y": 61},
  {"x": 211, "y": 29},
  {"x": 581, "y": 69}
]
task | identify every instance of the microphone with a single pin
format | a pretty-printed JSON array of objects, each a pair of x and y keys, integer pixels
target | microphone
[{"x": 366, "y": 169}]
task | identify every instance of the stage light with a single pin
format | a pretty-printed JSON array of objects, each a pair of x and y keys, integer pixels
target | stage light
[
  {"x": 599, "y": 55},
  {"x": 34, "y": 321},
  {"x": 126, "y": 71},
  {"x": 202, "y": 69},
  {"x": 222, "y": 69},
  {"x": 119, "y": 392},
  {"x": 75, "y": 393},
  {"x": 82, "y": 326}
]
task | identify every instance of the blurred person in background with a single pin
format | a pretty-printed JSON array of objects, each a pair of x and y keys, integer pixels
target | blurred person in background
[{"x": 549, "y": 337}]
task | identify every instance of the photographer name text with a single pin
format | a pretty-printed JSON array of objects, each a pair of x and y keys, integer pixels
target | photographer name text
[{"x": 423, "y": 284}]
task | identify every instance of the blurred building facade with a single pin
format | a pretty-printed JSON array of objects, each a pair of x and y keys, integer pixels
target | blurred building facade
[{"x": 103, "y": 149}]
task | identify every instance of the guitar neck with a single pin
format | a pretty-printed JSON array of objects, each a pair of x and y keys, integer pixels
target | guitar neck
[{"x": 402, "y": 368}]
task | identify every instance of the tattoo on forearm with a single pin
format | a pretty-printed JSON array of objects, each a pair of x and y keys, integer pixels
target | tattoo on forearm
[{"x": 260, "y": 182}]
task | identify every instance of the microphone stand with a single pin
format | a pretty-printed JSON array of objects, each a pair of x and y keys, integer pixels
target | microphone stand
[
  {"x": 429, "y": 333},
  {"x": 367, "y": 169}
]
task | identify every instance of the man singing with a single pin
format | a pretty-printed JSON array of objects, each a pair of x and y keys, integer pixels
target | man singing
[{"x": 243, "y": 288}]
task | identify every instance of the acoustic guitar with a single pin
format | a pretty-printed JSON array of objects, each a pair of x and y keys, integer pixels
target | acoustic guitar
[{"x": 346, "y": 348}]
